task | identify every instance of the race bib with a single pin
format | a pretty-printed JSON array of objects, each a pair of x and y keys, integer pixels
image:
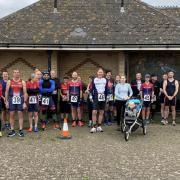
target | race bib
[
  {"x": 45, "y": 101},
  {"x": 110, "y": 97},
  {"x": 16, "y": 100},
  {"x": 74, "y": 99},
  {"x": 39, "y": 98},
  {"x": 147, "y": 97},
  {"x": 154, "y": 98},
  {"x": 101, "y": 97},
  {"x": 32, "y": 100},
  {"x": 55, "y": 92}
]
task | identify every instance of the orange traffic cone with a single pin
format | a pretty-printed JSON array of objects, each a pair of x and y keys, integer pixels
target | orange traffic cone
[{"x": 65, "y": 133}]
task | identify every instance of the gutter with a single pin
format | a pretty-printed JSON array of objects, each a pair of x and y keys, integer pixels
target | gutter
[{"x": 90, "y": 47}]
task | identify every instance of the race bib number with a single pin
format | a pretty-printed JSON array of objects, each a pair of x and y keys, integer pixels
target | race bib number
[
  {"x": 32, "y": 100},
  {"x": 45, "y": 101},
  {"x": 74, "y": 99},
  {"x": 110, "y": 97},
  {"x": 101, "y": 97},
  {"x": 154, "y": 98},
  {"x": 147, "y": 97},
  {"x": 16, "y": 100}
]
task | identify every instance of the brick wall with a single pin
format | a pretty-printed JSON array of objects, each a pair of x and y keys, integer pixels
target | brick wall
[
  {"x": 23, "y": 60},
  {"x": 87, "y": 63}
]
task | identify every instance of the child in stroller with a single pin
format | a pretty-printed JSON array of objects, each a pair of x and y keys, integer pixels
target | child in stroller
[{"x": 131, "y": 117}]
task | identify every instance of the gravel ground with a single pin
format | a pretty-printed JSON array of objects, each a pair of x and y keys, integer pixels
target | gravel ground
[{"x": 93, "y": 156}]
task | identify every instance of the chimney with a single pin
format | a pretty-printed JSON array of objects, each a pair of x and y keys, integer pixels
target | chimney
[{"x": 55, "y": 6}]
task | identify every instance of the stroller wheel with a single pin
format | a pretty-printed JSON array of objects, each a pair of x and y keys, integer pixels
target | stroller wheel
[
  {"x": 126, "y": 133},
  {"x": 122, "y": 127},
  {"x": 144, "y": 130}
]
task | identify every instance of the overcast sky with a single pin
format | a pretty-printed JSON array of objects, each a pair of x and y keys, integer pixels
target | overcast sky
[{"x": 9, "y": 6}]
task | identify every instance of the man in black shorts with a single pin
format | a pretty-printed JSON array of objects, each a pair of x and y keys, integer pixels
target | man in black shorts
[{"x": 170, "y": 88}]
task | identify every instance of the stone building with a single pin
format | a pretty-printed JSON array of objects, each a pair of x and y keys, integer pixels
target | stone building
[{"x": 81, "y": 35}]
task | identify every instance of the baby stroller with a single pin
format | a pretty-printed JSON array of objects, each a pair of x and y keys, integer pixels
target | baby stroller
[{"x": 131, "y": 118}]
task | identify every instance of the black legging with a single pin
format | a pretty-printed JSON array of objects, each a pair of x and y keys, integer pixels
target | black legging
[
  {"x": 119, "y": 105},
  {"x": 89, "y": 109}
]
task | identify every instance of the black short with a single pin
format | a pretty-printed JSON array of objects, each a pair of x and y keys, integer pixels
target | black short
[
  {"x": 162, "y": 99},
  {"x": 98, "y": 105},
  {"x": 65, "y": 107},
  {"x": 111, "y": 103},
  {"x": 146, "y": 104},
  {"x": 170, "y": 102}
]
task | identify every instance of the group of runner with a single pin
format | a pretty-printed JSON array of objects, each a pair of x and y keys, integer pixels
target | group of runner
[{"x": 104, "y": 96}]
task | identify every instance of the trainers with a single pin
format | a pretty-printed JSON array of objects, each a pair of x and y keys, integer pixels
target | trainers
[
  {"x": 90, "y": 123},
  {"x": 36, "y": 129},
  {"x": 57, "y": 126},
  {"x": 93, "y": 130},
  {"x": 74, "y": 124},
  {"x": 12, "y": 133},
  {"x": 174, "y": 123},
  {"x": 109, "y": 123},
  {"x": 7, "y": 126},
  {"x": 21, "y": 133},
  {"x": 0, "y": 134},
  {"x": 80, "y": 124},
  {"x": 166, "y": 121},
  {"x": 43, "y": 126},
  {"x": 163, "y": 122},
  {"x": 99, "y": 129},
  {"x": 30, "y": 130}
]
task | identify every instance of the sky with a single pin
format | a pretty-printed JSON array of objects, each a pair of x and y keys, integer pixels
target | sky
[{"x": 9, "y": 6}]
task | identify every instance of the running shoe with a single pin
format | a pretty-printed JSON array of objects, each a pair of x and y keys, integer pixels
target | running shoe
[
  {"x": 80, "y": 123},
  {"x": 0, "y": 134},
  {"x": 90, "y": 123},
  {"x": 99, "y": 129},
  {"x": 163, "y": 121},
  {"x": 12, "y": 133},
  {"x": 30, "y": 130},
  {"x": 93, "y": 130},
  {"x": 57, "y": 126},
  {"x": 174, "y": 123},
  {"x": 21, "y": 133},
  {"x": 36, "y": 129},
  {"x": 43, "y": 126},
  {"x": 74, "y": 124},
  {"x": 109, "y": 123}
]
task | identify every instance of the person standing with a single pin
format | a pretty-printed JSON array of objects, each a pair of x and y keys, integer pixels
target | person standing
[
  {"x": 162, "y": 99},
  {"x": 75, "y": 98},
  {"x": 16, "y": 98},
  {"x": 47, "y": 87},
  {"x": 147, "y": 94},
  {"x": 99, "y": 96},
  {"x": 170, "y": 88},
  {"x": 64, "y": 103},
  {"x": 109, "y": 118},
  {"x": 123, "y": 92},
  {"x": 136, "y": 85},
  {"x": 4, "y": 115},
  {"x": 156, "y": 85},
  {"x": 33, "y": 104}
]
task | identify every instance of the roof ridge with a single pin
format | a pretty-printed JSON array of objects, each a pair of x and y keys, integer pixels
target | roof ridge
[{"x": 157, "y": 10}]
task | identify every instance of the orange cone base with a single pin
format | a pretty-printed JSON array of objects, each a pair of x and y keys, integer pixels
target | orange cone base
[{"x": 65, "y": 137}]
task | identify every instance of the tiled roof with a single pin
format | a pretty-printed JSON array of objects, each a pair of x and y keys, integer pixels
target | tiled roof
[{"x": 90, "y": 22}]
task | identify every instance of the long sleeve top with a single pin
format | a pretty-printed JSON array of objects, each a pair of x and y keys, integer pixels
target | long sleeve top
[{"x": 122, "y": 91}]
